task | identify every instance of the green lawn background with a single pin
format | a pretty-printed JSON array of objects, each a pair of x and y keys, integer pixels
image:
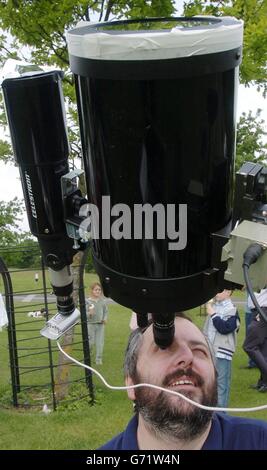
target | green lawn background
[{"x": 81, "y": 426}]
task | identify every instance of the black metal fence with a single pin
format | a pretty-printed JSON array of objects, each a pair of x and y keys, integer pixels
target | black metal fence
[{"x": 37, "y": 372}]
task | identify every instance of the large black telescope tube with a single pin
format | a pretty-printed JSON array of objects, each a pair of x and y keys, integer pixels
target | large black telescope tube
[
  {"x": 157, "y": 116},
  {"x": 36, "y": 117}
]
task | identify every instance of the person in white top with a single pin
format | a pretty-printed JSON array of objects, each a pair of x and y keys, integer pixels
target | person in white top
[{"x": 221, "y": 328}]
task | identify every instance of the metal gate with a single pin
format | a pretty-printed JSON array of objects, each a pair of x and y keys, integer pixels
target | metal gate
[{"x": 34, "y": 360}]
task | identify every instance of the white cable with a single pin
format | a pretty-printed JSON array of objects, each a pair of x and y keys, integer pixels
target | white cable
[{"x": 172, "y": 392}]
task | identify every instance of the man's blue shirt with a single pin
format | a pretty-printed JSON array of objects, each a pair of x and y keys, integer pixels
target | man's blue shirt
[{"x": 226, "y": 433}]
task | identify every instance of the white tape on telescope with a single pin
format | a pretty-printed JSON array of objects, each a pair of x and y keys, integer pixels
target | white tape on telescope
[{"x": 180, "y": 41}]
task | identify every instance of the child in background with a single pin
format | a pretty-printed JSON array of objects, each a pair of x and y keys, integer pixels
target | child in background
[
  {"x": 97, "y": 313},
  {"x": 221, "y": 328}
]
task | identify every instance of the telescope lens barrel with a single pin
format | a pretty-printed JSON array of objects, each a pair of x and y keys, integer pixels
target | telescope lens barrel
[
  {"x": 158, "y": 130},
  {"x": 163, "y": 329}
]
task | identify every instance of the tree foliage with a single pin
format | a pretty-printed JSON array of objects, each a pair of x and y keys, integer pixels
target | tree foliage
[
  {"x": 16, "y": 247},
  {"x": 6, "y": 153},
  {"x": 254, "y": 14},
  {"x": 250, "y": 144},
  {"x": 41, "y": 25},
  {"x": 25, "y": 254},
  {"x": 10, "y": 213}
]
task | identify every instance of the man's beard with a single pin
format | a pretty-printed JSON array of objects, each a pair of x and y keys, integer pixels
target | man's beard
[{"x": 172, "y": 417}]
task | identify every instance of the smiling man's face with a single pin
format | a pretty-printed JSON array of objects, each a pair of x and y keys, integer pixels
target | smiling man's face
[{"x": 187, "y": 367}]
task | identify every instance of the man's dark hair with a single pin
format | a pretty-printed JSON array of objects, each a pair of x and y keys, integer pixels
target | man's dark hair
[{"x": 131, "y": 353}]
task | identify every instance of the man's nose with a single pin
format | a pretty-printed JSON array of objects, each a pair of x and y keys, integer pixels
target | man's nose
[{"x": 184, "y": 356}]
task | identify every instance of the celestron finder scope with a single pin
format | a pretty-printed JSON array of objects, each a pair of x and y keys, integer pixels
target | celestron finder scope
[
  {"x": 36, "y": 116},
  {"x": 156, "y": 104}
]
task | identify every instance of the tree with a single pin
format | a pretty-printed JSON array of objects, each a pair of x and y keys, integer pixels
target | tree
[
  {"x": 10, "y": 213},
  {"x": 6, "y": 153},
  {"x": 41, "y": 26},
  {"x": 254, "y": 15},
  {"x": 25, "y": 254},
  {"x": 249, "y": 144}
]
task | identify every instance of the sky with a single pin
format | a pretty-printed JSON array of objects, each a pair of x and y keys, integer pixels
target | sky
[{"x": 10, "y": 186}]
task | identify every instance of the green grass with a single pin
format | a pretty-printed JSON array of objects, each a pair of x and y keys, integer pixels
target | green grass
[
  {"x": 23, "y": 281},
  {"x": 81, "y": 426}
]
